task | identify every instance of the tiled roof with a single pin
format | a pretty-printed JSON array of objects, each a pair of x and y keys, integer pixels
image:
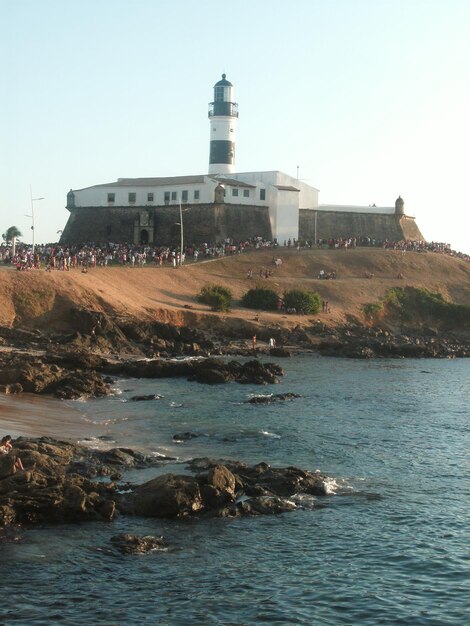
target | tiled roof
[{"x": 152, "y": 182}]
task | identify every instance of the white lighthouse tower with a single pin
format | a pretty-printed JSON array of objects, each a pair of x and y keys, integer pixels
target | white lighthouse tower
[{"x": 223, "y": 114}]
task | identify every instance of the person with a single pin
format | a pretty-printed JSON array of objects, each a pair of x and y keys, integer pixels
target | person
[
  {"x": 253, "y": 341},
  {"x": 6, "y": 447},
  {"x": 272, "y": 342}
]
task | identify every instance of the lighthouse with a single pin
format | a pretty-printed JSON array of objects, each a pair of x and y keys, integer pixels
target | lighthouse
[{"x": 223, "y": 114}]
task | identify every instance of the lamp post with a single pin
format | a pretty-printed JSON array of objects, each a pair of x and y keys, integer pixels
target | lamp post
[
  {"x": 180, "y": 224},
  {"x": 181, "y": 234},
  {"x": 33, "y": 200}
]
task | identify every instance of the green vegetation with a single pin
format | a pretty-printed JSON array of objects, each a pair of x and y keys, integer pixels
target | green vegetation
[
  {"x": 11, "y": 234},
  {"x": 261, "y": 299},
  {"x": 412, "y": 304},
  {"x": 303, "y": 301},
  {"x": 218, "y": 297},
  {"x": 371, "y": 309}
]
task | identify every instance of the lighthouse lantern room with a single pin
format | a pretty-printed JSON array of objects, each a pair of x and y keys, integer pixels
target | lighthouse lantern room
[{"x": 223, "y": 114}]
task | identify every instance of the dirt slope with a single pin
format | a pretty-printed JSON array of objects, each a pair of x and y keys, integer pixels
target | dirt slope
[{"x": 45, "y": 300}]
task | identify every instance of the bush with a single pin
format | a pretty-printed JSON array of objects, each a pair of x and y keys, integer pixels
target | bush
[
  {"x": 219, "y": 298},
  {"x": 262, "y": 299},
  {"x": 372, "y": 308},
  {"x": 303, "y": 301},
  {"x": 413, "y": 303}
]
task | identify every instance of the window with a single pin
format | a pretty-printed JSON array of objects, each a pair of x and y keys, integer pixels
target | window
[
  {"x": 196, "y": 194},
  {"x": 246, "y": 193},
  {"x": 184, "y": 196},
  {"x": 262, "y": 194},
  {"x": 150, "y": 197},
  {"x": 111, "y": 197},
  {"x": 131, "y": 197},
  {"x": 234, "y": 191},
  {"x": 219, "y": 94},
  {"x": 167, "y": 197},
  {"x": 173, "y": 195}
]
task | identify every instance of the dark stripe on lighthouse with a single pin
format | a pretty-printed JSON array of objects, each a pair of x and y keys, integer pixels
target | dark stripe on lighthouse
[{"x": 222, "y": 152}]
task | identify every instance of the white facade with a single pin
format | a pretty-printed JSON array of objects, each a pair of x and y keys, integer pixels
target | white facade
[{"x": 283, "y": 194}]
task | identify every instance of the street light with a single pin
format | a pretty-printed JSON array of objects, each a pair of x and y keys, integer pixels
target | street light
[
  {"x": 33, "y": 200},
  {"x": 180, "y": 224}
]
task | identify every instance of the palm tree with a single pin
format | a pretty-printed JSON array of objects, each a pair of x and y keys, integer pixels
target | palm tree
[{"x": 12, "y": 235}]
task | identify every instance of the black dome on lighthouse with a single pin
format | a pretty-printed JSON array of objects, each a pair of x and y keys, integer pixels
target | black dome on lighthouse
[{"x": 224, "y": 82}]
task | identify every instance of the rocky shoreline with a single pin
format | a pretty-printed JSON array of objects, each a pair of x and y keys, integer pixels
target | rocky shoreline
[
  {"x": 65, "y": 482},
  {"x": 85, "y": 362}
]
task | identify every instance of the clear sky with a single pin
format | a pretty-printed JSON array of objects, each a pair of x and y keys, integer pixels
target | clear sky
[{"x": 369, "y": 98}]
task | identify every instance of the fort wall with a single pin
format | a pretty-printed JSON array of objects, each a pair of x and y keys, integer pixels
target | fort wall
[
  {"x": 339, "y": 224},
  {"x": 203, "y": 223}
]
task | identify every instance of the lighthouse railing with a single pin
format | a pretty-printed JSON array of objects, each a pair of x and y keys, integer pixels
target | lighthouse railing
[{"x": 223, "y": 108}]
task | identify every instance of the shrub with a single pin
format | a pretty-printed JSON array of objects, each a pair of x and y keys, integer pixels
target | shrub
[
  {"x": 217, "y": 297},
  {"x": 413, "y": 303},
  {"x": 262, "y": 299},
  {"x": 372, "y": 308},
  {"x": 303, "y": 301}
]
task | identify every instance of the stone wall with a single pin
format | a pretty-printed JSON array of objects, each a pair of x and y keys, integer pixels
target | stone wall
[
  {"x": 337, "y": 224},
  {"x": 203, "y": 223}
]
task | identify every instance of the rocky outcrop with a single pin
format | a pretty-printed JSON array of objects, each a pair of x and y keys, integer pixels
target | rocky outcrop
[
  {"x": 365, "y": 343},
  {"x": 135, "y": 544},
  {"x": 170, "y": 495},
  {"x": 57, "y": 486},
  {"x": 34, "y": 374},
  {"x": 273, "y": 397},
  {"x": 67, "y": 374},
  {"x": 225, "y": 489}
]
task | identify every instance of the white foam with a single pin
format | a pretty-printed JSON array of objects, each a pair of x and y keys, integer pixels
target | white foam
[
  {"x": 266, "y": 433},
  {"x": 95, "y": 443},
  {"x": 331, "y": 486}
]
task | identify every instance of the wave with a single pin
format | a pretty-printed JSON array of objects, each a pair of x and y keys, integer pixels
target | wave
[
  {"x": 266, "y": 433},
  {"x": 97, "y": 443}
]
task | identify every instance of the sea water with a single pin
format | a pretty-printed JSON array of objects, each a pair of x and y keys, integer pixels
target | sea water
[{"x": 391, "y": 546}]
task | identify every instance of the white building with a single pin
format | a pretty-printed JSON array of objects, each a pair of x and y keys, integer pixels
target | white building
[{"x": 283, "y": 194}]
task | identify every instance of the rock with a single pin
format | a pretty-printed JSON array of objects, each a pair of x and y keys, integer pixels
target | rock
[
  {"x": 135, "y": 544},
  {"x": 124, "y": 457},
  {"x": 170, "y": 495},
  {"x": 210, "y": 376},
  {"x": 57, "y": 486},
  {"x": 280, "y": 352},
  {"x": 180, "y": 437},
  {"x": 151, "y": 396},
  {"x": 7, "y": 465},
  {"x": 269, "y": 399},
  {"x": 271, "y": 505},
  {"x": 217, "y": 487}
]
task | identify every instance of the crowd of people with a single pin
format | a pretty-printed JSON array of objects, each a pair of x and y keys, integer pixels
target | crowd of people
[
  {"x": 88, "y": 255},
  {"x": 402, "y": 245}
]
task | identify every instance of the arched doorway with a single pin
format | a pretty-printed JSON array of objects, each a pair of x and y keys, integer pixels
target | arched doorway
[{"x": 144, "y": 237}]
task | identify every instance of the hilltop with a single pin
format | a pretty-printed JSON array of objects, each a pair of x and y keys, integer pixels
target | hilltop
[{"x": 46, "y": 300}]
